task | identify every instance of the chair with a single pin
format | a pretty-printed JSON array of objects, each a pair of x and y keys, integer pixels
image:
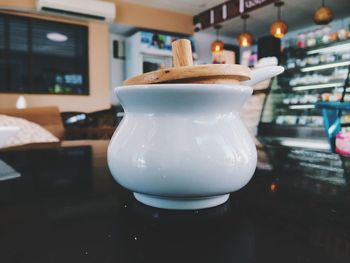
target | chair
[
  {"x": 331, "y": 118},
  {"x": 96, "y": 125}
]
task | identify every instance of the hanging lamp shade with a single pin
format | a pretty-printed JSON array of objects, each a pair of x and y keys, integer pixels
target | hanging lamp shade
[
  {"x": 245, "y": 39},
  {"x": 323, "y": 15},
  {"x": 279, "y": 28},
  {"x": 217, "y": 46}
]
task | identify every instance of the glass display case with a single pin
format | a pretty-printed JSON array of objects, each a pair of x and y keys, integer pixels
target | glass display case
[{"x": 312, "y": 74}]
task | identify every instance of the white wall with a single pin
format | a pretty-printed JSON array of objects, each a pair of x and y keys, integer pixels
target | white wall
[{"x": 203, "y": 42}]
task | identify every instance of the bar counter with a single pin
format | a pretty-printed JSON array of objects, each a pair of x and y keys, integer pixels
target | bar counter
[{"x": 61, "y": 204}]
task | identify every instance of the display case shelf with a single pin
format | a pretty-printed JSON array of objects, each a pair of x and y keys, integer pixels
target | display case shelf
[
  {"x": 312, "y": 76},
  {"x": 323, "y": 66},
  {"x": 301, "y": 106},
  {"x": 335, "y": 46},
  {"x": 316, "y": 86},
  {"x": 335, "y": 64}
]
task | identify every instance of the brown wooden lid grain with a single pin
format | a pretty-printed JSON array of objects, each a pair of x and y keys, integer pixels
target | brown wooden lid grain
[{"x": 184, "y": 71}]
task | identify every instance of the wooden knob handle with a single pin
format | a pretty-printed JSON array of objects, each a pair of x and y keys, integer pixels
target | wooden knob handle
[{"x": 182, "y": 53}]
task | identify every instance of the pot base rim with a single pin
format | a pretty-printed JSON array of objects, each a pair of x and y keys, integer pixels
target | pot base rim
[{"x": 174, "y": 203}]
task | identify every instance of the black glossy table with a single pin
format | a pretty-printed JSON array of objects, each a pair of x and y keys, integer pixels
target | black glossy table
[{"x": 61, "y": 204}]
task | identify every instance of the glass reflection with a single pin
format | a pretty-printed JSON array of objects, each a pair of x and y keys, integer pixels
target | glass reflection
[
  {"x": 146, "y": 234},
  {"x": 49, "y": 171}
]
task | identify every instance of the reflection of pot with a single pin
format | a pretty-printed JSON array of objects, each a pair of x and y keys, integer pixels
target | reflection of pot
[
  {"x": 182, "y": 145},
  {"x": 145, "y": 234}
]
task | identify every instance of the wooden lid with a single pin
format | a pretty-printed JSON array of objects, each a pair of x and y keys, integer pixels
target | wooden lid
[{"x": 184, "y": 71}]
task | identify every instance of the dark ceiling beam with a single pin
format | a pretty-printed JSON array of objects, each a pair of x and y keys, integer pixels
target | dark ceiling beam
[{"x": 226, "y": 11}]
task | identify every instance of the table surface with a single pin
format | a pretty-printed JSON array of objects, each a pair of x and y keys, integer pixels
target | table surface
[{"x": 62, "y": 205}]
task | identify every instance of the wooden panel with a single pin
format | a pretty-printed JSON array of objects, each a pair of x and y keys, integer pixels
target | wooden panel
[
  {"x": 153, "y": 18},
  {"x": 18, "y": 4},
  {"x": 47, "y": 17}
]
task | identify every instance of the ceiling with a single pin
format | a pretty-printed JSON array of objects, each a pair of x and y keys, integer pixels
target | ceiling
[
  {"x": 297, "y": 13},
  {"x": 191, "y": 7}
]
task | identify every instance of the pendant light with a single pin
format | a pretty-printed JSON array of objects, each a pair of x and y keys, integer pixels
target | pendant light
[
  {"x": 217, "y": 46},
  {"x": 279, "y": 28},
  {"x": 323, "y": 15},
  {"x": 245, "y": 39}
]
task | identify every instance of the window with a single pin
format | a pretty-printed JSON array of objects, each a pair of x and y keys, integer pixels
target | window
[{"x": 40, "y": 56}]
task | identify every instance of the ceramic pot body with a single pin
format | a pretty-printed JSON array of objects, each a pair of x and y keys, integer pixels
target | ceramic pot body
[{"x": 182, "y": 146}]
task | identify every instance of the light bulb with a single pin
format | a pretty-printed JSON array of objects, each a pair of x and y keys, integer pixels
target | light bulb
[
  {"x": 245, "y": 39},
  {"x": 279, "y": 29},
  {"x": 21, "y": 102}
]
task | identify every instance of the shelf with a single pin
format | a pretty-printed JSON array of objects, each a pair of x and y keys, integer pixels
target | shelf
[
  {"x": 156, "y": 52},
  {"x": 161, "y": 52},
  {"x": 296, "y": 131},
  {"x": 319, "y": 105},
  {"x": 341, "y": 45},
  {"x": 325, "y": 66},
  {"x": 296, "y": 106},
  {"x": 309, "y": 68},
  {"x": 285, "y": 105},
  {"x": 317, "y": 86},
  {"x": 301, "y": 106}
]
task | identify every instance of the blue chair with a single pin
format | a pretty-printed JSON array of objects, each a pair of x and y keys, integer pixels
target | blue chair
[{"x": 331, "y": 118}]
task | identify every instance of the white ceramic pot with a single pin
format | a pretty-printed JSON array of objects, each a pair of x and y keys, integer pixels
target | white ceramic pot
[{"x": 182, "y": 146}]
